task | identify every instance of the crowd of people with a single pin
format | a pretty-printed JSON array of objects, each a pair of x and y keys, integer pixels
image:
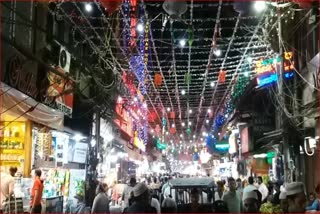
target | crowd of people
[{"x": 155, "y": 195}]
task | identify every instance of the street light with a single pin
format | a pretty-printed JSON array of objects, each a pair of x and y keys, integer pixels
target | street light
[
  {"x": 259, "y": 6},
  {"x": 88, "y": 7}
]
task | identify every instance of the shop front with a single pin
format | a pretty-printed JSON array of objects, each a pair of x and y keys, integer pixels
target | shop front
[{"x": 34, "y": 102}]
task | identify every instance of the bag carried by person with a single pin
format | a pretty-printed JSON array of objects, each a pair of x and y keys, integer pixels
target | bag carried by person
[{"x": 12, "y": 205}]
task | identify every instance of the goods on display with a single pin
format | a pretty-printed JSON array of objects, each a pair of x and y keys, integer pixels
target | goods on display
[{"x": 12, "y": 141}]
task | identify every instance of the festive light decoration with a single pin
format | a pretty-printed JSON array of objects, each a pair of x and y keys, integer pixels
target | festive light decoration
[
  {"x": 173, "y": 130},
  {"x": 111, "y": 6},
  {"x": 157, "y": 79},
  {"x": 187, "y": 78},
  {"x": 188, "y": 131},
  {"x": 172, "y": 115},
  {"x": 222, "y": 76},
  {"x": 190, "y": 35}
]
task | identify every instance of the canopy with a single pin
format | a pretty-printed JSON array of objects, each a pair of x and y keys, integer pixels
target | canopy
[
  {"x": 192, "y": 183},
  {"x": 20, "y": 104}
]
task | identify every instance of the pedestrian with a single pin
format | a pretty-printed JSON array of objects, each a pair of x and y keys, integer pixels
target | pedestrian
[
  {"x": 169, "y": 206},
  {"x": 313, "y": 201},
  {"x": 239, "y": 187},
  {"x": 142, "y": 200},
  {"x": 263, "y": 189},
  {"x": 283, "y": 201},
  {"x": 250, "y": 202},
  {"x": 218, "y": 195},
  {"x": 36, "y": 192},
  {"x": 80, "y": 205},
  {"x": 250, "y": 187},
  {"x": 232, "y": 198},
  {"x": 296, "y": 197},
  {"x": 7, "y": 184},
  {"x": 101, "y": 201},
  {"x": 126, "y": 192}
]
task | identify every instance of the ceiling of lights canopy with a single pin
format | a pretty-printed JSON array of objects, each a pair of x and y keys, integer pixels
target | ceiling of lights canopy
[{"x": 183, "y": 58}]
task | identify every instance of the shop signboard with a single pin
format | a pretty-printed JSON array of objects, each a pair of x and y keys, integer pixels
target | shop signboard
[
  {"x": 123, "y": 120},
  {"x": 60, "y": 93},
  {"x": 80, "y": 153},
  {"x": 44, "y": 86}
]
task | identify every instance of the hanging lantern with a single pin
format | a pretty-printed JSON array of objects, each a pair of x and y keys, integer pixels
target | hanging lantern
[
  {"x": 173, "y": 130},
  {"x": 164, "y": 121},
  {"x": 190, "y": 35},
  {"x": 175, "y": 8},
  {"x": 152, "y": 116},
  {"x": 157, "y": 79},
  {"x": 188, "y": 131},
  {"x": 172, "y": 115},
  {"x": 222, "y": 76},
  {"x": 111, "y": 6},
  {"x": 158, "y": 129},
  {"x": 187, "y": 78}
]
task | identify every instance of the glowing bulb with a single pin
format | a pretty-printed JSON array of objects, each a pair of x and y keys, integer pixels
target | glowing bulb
[
  {"x": 259, "y": 6},
  {"x": 190, "y": 123},
  {"x": 181, "y": 135},
  {"x": 207, "y": 121},
  {"x": 183, "y": 124},
  {"x": 204, "y": 134},
  {"x": 145, "y": 105},
  {"x": 190, "y": 111},
  {"x": 212, "y": 84},
  {"x": 140, "y": 27},
  {"x": 173, "y": 125},
  {"x": 88, "y": 7},
  {"x": 182, "y": 42},
  {"x": 249, "y": 59},
  {"x": 167, "y": 133},
  {"x": 168, "y": 109},
  {"x": 209, "y": 110},
  {"x": 246, "y": 74},
  {"x": 194, "y": 136},
  {"x": 217, "y": 52},
  {"x": 183, "y": 92},
  {"x": 135, "y": 99}
]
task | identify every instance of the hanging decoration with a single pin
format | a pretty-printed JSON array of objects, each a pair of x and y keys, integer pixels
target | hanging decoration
[
  {"x": 172, "y": 115},
  {"x": 157, "y": 80},
  {"x": 187, "y": 78},
  {"x": 188, "y": 131},
  {"x": 173, "y": 130},
  {"x": 164, "y": 122},
  {"x": 190, "y": 35},
  {"x": 111, "y": 6},
  {"x": 222, "y": 76},
  {"x": 133, "y": 23},
  {"x": 152, "y": 116},
  {"x": 158, "y": 129}
]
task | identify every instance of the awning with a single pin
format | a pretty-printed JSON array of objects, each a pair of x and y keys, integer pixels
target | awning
[{"x": 21, "y": 105}]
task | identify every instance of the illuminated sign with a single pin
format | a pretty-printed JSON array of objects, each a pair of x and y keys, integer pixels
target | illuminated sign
[
  {"x": 124, "y": 121},
  {"x": 269, "y": 65},
  {"x": 270, "y": 78}
]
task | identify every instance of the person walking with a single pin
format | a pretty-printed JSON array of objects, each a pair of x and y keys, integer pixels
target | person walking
[
  {"x": 36, "y": 192},
  {"x": 232, "y": 197},
  {"x": 250, "y": 187},
  {"x": 101, "y": 201},
  {"x": 141, "y": 200},
  {"x": 126, "y": 192},
  {"x": 250, "y": 202},
  {"x": 263, "y": 189},
  {"x": 218, "y": 195},
  {"x": 296, "y": 197},
  {"x": 7, "y": 184}
]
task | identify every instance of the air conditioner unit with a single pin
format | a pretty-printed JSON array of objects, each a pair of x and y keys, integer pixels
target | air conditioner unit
[{"x": 64, "y": 59}]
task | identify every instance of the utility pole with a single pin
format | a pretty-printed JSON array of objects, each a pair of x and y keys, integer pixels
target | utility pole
[{"x": 281, "y": 115}]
